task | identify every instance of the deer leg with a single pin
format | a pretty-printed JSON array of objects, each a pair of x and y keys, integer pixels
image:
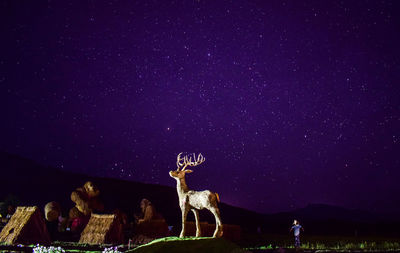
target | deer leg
[
  {"x": 184, "y": 215},
  {"x": 196, "y": 216},
  {"x": 218, "y": 224}
]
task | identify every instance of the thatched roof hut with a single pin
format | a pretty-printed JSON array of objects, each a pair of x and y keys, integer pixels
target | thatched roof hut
[
  {"x": 102, "y": 228},
  {"x": 26, "y": 226}
]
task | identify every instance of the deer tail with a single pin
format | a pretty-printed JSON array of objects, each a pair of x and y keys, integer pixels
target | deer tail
[{"x": 216, "y": 194}]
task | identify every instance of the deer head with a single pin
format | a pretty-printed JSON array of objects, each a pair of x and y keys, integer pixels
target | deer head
[{"x": 183, "y": 163}]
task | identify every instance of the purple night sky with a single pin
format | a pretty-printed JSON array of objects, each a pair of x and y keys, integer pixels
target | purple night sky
[{"x": 291, "y": 102}]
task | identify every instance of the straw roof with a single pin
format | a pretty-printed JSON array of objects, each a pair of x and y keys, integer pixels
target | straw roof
[
  {"x": 26, "y": 226},
  {"x": 102, "y": 228}
]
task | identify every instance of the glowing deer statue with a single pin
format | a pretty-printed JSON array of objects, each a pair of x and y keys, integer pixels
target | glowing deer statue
[{"x": 194, "y": 200}]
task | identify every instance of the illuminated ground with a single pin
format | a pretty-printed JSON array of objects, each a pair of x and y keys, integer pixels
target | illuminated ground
[
  {"x": 189, "y": 245},
  {"x": 256, "y": 243}
]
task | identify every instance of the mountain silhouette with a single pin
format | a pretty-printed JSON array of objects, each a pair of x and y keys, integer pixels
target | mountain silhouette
[{"x": 26, "y": 182}]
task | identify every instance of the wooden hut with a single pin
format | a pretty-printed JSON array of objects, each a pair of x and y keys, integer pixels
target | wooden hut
[
  {"x": 26, "y": 226},
  {"x": 102, "y": 229}
]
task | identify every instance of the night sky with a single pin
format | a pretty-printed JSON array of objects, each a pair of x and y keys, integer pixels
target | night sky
[{"x": 290, "y": 102}]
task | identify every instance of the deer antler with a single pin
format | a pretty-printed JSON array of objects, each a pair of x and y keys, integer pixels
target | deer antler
[
  {"x": 178, "y": 161},
  {"x": 187, "y": 161}
]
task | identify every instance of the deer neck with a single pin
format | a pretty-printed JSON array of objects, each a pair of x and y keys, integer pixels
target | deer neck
[{"x": 181, "y": 186}]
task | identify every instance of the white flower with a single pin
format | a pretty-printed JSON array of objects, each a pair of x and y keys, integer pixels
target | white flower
[
  {"x": 51, "y": 249},
  {"x": 111, "y": 250}
]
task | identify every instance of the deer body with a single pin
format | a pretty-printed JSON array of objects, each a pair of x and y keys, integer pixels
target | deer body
[{"x": 195, "y": 200}]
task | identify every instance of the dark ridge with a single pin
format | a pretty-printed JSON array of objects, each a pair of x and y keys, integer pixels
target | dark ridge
[{"x": 25, "y": 182}]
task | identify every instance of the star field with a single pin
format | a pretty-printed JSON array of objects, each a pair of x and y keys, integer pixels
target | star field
[{"x": 291, "y": 102}]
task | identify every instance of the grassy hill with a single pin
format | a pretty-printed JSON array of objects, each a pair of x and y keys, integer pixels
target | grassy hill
[{"x": 189, "y": 245}]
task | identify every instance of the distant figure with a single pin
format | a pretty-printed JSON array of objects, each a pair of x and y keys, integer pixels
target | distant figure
[
  {"x": 296, "y": 228},
  {"x": 148, "y": 212},
  {"x": 149, "y": 224}
]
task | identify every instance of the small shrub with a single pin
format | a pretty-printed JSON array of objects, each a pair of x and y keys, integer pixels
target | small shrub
[
  {"x": 51, "y": 249},
  {"x": 111, "y": 250}
]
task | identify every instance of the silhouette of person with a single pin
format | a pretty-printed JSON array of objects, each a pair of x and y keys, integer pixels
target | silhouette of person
[{"x": 296, "y": 228}]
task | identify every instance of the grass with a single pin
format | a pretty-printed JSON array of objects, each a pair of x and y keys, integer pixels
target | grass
[
  {"x": 188, "y": 245},
  {"x": 74, "y": 247},
  {"x": 331, "y": 243},
  {"x": 253, "y": 242}
]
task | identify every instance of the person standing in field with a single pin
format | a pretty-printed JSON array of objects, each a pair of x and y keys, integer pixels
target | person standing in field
[{"x": 296, "y": 228}]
